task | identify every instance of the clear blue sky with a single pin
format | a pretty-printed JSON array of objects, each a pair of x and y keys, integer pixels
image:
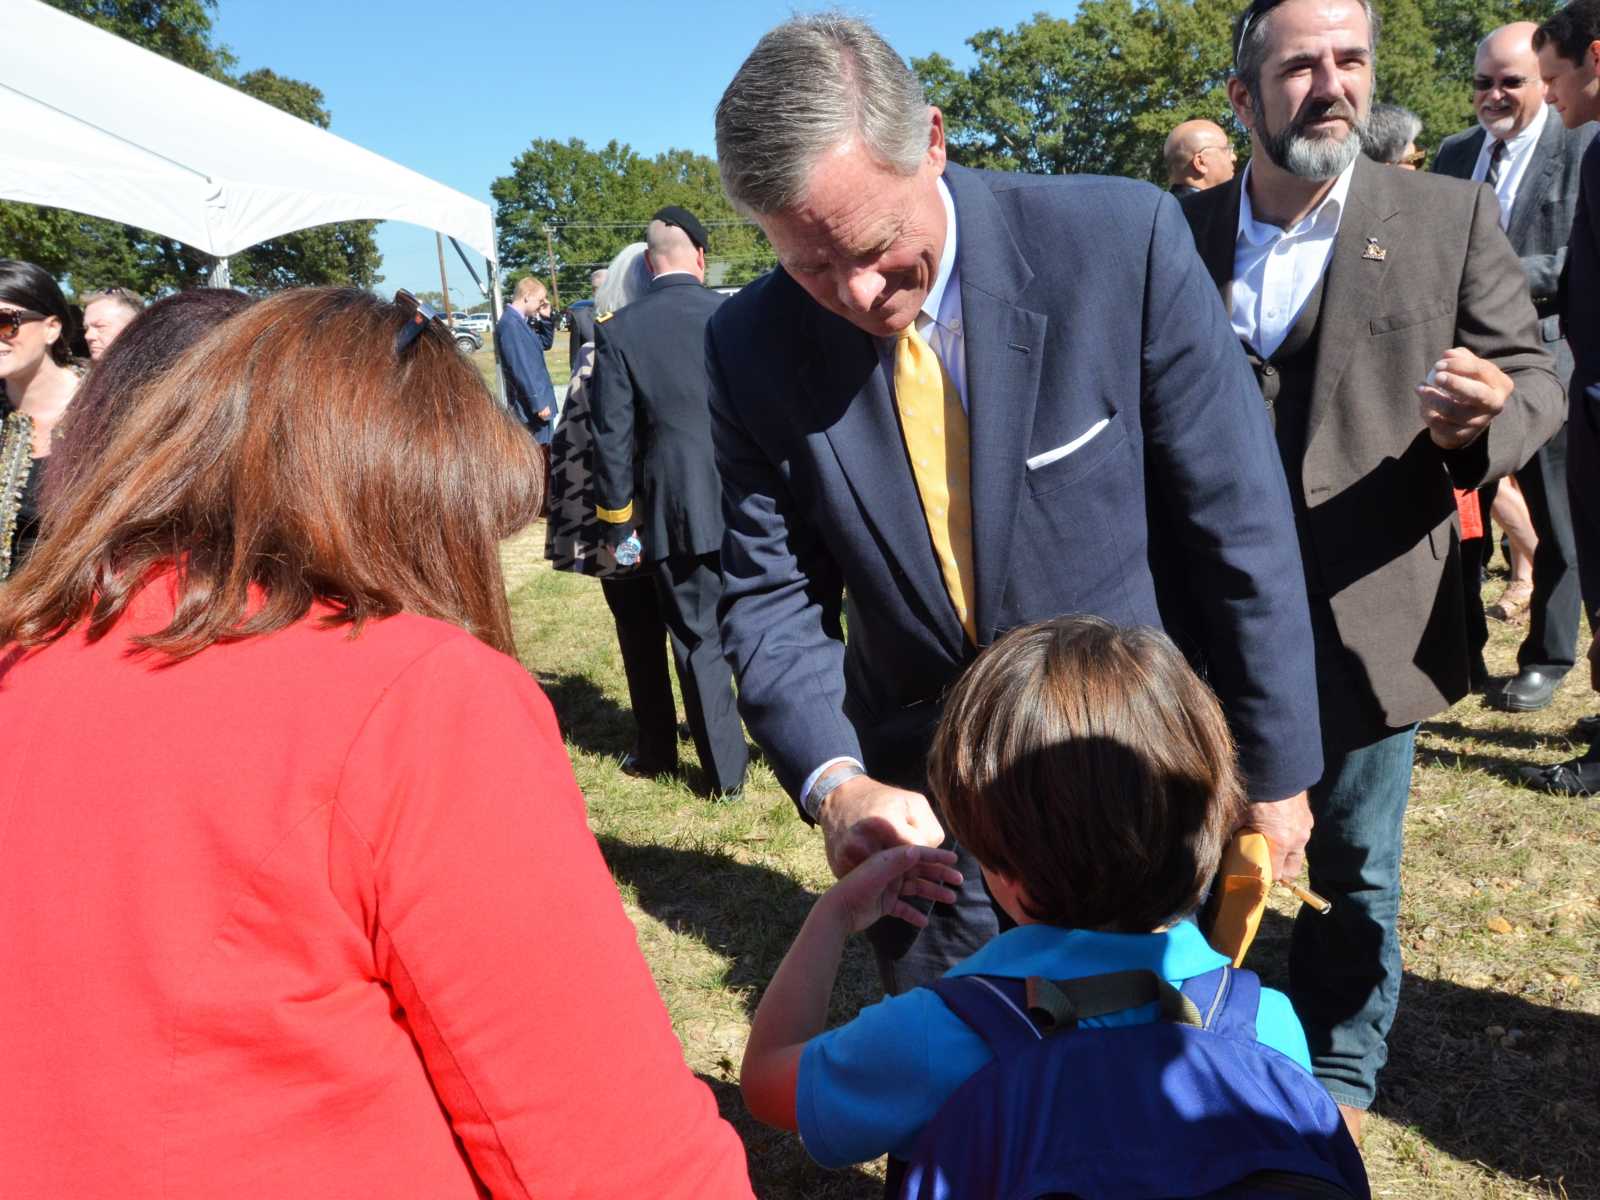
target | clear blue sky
[{"x": 648, "y": 74}]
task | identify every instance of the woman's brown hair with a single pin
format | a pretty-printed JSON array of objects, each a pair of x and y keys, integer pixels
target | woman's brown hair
[
  {"x": 291, "y": 457},
  {"x": 1089, "y": 764}
]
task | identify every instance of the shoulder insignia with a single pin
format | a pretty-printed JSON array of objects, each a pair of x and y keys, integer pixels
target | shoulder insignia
[{"x": 605, "y": 316}]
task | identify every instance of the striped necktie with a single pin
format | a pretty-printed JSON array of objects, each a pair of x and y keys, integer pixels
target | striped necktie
[
  {"x": 1496, "y": 157},
  {"x": 934, "y": 426}
]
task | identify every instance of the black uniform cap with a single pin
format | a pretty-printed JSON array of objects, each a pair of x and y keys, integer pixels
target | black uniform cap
[{"x": 684, "y": 220}]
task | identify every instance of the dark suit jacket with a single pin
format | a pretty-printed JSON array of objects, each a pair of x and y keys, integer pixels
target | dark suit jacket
[
  {"x": 1084, "y": 307},
  {"x": 521, "y": 348},
  {"x": 1381, "y": 520},
  {"x": 580, "y": 329},
  {"x": 1581, "y": 300},
  {"x": 1541, "y": 219},
  {"x": 648, "y": 401}
]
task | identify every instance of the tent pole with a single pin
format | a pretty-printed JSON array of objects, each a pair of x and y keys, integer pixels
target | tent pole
[
  {"x": 221, "y": 276},
  {"x": 496, "y": 307}
]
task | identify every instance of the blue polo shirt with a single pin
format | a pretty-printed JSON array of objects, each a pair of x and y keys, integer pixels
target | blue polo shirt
[{"x": 868, "y": 1088}]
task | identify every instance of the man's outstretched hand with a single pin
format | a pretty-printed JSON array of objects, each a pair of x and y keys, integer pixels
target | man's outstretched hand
[
  {"x": 862, "y": 816},
  {"x": 1286, "y": 824}
]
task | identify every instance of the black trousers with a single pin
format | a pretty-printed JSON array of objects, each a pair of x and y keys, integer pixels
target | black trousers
[
  {"x": 1553, "y": 612},
  {"x": 688, "y": 588},
  {"x": 1583, "y": 489},
  {"x": 642, "y": 638}
]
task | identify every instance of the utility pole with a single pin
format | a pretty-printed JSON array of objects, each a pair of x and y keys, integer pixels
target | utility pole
[
  {"x": 444, "y": 284},
  {"x": 550, "y": 250}
]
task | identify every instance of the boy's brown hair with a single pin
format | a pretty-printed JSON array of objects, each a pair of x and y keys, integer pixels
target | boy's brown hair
[{"x": 1090, "y": 765}]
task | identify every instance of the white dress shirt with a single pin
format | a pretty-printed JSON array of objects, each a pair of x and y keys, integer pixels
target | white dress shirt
[
  {"x": 1275, "y": 270},
  {"x": 939, "y": 322},
  {"x": 1513, "y": 164}
]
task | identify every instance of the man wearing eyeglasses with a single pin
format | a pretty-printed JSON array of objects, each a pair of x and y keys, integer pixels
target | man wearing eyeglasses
[
  {"x": 1199, "y": 155},
  {"x": 1395, "y": 345},
  {"x": 1522, "y": 150}
]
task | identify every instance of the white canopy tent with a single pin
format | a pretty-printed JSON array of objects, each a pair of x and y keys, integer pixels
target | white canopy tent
[{"x": 100, "y": 126}]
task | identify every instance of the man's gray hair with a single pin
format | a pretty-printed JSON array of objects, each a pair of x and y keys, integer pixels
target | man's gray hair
[
  {"x": 1389, "y": 130},
  {"x": 814, "y": 83},
  {"x": 1250, "y": 41},
  {"x": 127, "y": 297},
  {"x": 627, "y": 278}
]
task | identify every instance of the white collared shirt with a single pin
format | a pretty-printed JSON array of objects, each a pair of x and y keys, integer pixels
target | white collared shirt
[
  {"x": 940, "y": 319},
  {"x": 1513, "y": 164},
  {"x": 1276, "y": 270}
]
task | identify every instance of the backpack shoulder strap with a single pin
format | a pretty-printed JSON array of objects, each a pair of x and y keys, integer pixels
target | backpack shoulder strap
[
  {"x": 993, "y": 1008},
  {"x": 1227, "y": 999}
]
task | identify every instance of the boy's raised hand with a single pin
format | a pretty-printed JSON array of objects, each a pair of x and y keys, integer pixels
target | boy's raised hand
[{"x": 881, "y": 885}]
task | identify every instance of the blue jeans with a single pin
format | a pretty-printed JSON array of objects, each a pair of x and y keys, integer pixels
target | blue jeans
[{"x": 1344, "y": 968}]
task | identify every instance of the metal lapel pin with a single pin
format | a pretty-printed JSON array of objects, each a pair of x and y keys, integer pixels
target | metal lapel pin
[{"x": 1374, "y": 251}]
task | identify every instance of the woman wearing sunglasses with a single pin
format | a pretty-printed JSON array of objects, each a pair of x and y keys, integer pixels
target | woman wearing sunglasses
[
  {"x": 299, "y": 895},
  {"x": 37, "y": 381}
]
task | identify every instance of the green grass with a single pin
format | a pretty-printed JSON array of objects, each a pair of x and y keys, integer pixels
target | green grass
[
  {"x": 1491, "y": 1090},
  {"x": 555, "y": 359}
]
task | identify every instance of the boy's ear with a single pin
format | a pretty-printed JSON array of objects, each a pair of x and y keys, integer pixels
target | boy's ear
[{"x": 1008, "y": 893}]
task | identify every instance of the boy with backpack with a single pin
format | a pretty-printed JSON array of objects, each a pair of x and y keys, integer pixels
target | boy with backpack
[{"x": 1101, "y": 1045}]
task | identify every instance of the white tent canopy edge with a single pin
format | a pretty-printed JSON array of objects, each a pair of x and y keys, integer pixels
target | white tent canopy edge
[{"x": 155, "y": 145}]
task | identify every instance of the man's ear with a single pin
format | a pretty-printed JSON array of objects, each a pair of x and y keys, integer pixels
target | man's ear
[
  {"x": 937, "y": 151},
  {"x": 1243, "y": 105}
]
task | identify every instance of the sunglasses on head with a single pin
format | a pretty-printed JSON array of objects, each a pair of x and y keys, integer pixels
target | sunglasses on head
[
  {"x": 1252, "y": 15},
  {"x": 12, "y": 321},
  {"x": 420, "y": 315}
]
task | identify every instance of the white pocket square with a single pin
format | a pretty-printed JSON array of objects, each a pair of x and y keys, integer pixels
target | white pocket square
[{"x": 1077, "y": 443}]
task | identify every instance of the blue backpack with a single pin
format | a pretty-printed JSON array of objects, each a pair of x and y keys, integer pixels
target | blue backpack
[{"x": 1190, "y": 1105}]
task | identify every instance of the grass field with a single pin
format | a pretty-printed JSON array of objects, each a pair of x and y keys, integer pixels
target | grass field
[{"x": 1493, "y": 1087}]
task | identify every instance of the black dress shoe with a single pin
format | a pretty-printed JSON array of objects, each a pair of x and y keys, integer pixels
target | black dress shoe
[
  {"x": 1575, "y": 778},
  {"x": 1528, "y": 691},
  {"x": 641, "y": 768}
]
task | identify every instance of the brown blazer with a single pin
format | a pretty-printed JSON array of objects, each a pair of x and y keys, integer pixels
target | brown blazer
[{"x": 1419, "y": 265}]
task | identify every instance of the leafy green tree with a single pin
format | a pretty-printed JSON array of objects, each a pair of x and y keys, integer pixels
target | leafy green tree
[
  {"x": 91, "y": 252},
  {"x": 596, "y": 201},
  {"x": 1098, "y": 93}
]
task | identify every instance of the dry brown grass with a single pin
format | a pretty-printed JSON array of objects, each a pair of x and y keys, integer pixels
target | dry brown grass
[{"x": 1491, "y": 1091}]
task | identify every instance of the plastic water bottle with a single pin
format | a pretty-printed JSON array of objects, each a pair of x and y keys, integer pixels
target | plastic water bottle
[{"x": 629, "y": 550}]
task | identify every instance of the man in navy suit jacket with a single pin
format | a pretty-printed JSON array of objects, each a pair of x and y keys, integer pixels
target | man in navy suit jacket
[
  {"x": 525, "y": 331},
  {"x": 1122, "y": 463}
]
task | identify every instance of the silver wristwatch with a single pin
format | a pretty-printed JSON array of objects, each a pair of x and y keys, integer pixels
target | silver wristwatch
[{"x": 811, "y": 803}]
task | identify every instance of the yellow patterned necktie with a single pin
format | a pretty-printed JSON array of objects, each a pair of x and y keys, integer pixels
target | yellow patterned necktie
[{"x": 935, "y": 429}]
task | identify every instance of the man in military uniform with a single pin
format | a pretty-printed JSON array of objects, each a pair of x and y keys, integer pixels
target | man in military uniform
[{"x": 655, "y": 476}]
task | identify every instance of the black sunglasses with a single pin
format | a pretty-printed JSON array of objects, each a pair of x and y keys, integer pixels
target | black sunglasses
[
  {"x": 1506, "y": 83},
  {"x": 12, "y": 321},
  {"x": 420, "y": 316}
]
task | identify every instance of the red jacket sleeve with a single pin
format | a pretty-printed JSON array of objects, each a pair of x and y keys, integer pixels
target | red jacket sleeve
[{"x": 464, "y": 852}]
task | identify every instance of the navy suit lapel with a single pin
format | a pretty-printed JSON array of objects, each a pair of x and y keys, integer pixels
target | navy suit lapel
[
  {"x": 1004, "y": 344},
  {"x": 1217, "y": 239},
  {"x": 1464, "y": 156},
  {"x": 867, "y": 443}
]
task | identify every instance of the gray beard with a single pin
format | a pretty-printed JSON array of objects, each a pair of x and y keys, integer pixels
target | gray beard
[{"x": 1314, "y": 158}]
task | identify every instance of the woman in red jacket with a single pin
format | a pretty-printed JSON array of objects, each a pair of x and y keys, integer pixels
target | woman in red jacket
[{"x": 298, "y": 894}]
